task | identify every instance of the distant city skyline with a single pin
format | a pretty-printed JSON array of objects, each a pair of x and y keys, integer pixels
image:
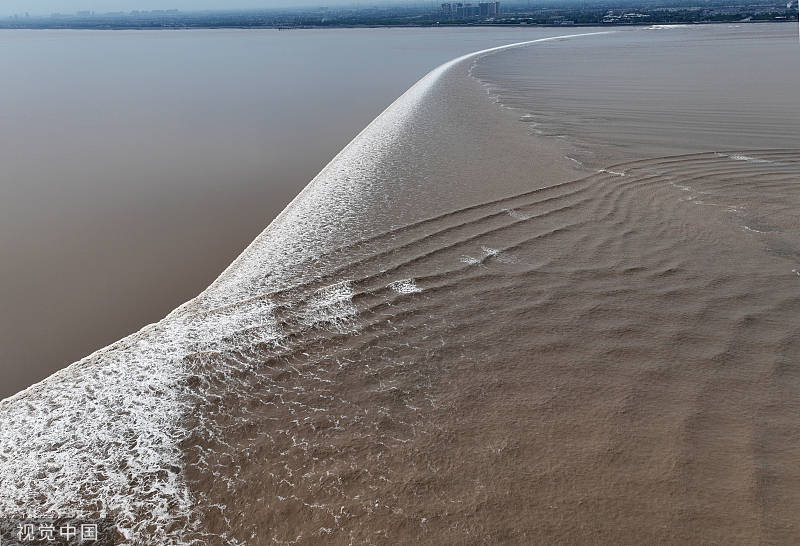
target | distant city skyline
[{"x": 45, "y": 7}]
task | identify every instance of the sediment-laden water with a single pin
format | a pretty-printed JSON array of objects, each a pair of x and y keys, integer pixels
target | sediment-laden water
[{"x": 467, "y": 329}]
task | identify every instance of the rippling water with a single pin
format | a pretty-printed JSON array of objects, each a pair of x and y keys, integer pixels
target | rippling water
[
  {"x": 457, "y": 333},
  {"x": 657, "y": 90}
]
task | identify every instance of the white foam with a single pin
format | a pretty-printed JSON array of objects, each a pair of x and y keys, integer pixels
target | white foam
[
  {"x": 331, "y": 305},
  {"x": 517, "y": 215},
  {"x": 578, "y": 163},
  {"x": 664, "y": 27},
  {"x": 748, "y": 159},
  {"x": 498, "y": 255},
  {"x": 405, "y": 286},
  {"x": 108, "y": 428}
]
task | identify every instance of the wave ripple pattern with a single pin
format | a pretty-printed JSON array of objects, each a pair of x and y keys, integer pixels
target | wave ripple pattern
[{"x": 109, "y": 435}]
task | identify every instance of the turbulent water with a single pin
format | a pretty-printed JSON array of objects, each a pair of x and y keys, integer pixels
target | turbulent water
[{"x": 461, "y": 332}]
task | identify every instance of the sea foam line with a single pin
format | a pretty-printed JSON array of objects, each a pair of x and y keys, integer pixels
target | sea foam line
[
  {"x": 102, "y": 436},
  {"x": 331, "y": 200}
]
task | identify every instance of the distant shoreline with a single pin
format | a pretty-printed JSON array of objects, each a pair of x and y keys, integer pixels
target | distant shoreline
[
  {"x": 622, "y": 13},
  {"x": 405, "y": 25}
]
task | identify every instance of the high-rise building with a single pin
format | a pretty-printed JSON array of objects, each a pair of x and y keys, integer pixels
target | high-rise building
[
  {"x": 466, "y": 10},
  {"x": 489, "y": 9}
]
